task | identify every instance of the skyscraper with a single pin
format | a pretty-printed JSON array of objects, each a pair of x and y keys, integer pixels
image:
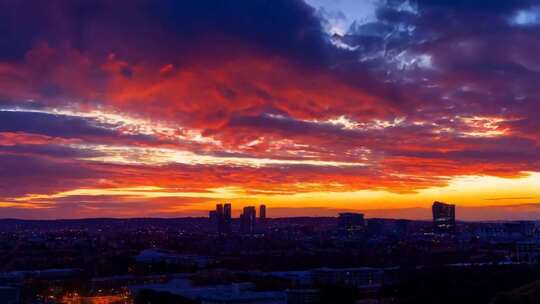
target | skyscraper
[
  {"x": 262, "y": 212},
  {"x": 221, "y": 218},
  {"x": 444, "y": 217},
  {"x": 219, "y": 210},
  {"x": 247, "y": 220},
  {"x": 227, "y": 219}
]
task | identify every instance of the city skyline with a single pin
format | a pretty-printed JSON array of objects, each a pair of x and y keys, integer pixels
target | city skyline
[{"x": 313, "y": 108}]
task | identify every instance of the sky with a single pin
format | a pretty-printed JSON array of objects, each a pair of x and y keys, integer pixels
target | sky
[{"x": 148, "y": 108}]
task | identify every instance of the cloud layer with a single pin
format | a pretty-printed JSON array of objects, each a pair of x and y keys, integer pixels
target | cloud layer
[{"x": 262, "y": 97}]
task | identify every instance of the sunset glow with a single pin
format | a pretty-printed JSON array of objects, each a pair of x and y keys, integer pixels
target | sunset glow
[{"x": 109, "y": 112}]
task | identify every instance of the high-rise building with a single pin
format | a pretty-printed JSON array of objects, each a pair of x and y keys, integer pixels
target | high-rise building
[
  {"x": 262, "y": 212},
  {"x": 221, "y": 218},
  {"x": 248, "y": 219},
  {"x": 444, "y": 217},
  {"x": 219, "y": 210},
  {"x": 227, "y": 219},
  {"x": 261, "y": 225}
]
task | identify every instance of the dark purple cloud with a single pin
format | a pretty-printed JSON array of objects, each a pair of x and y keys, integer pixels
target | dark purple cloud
[
  {"x": 66, "y": 126},
  {"x": 165, "y": 29}
]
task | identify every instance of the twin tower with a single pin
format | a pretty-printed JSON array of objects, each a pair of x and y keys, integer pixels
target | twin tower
[{"x": 221, "y": 218}]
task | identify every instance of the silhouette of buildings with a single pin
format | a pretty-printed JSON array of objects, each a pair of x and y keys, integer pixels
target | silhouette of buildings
[
  {"x": 184, "y": 249},
  {"x": 247, "y": 220},
  {"x": 227, "y": 219},
  {"x": 444, "y": 217},
  {"x": 221, "y": 218},
  {"x": 261, "y": 225},
  {"x": 262, "y": 212}
]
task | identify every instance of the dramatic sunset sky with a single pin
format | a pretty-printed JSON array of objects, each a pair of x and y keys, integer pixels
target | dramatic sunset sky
[{"x": 146, "y": 108}]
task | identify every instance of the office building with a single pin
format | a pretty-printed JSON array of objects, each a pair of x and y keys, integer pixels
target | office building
[
  {"x": 247, "y": 220},
  {"x": 227, "y": 219},
  {"x": 262, "y": 212},
  {"x": 221, "y": 218},
  {"x": 444, "y": 217}
]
